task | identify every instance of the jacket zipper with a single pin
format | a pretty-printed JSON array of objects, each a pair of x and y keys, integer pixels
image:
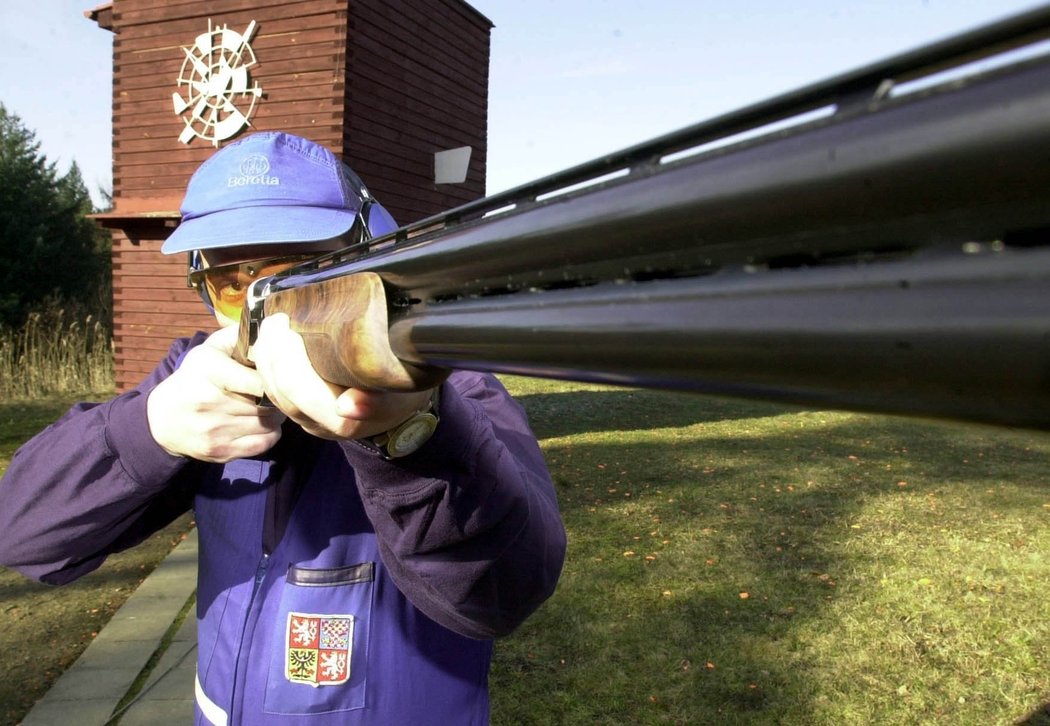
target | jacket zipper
[
  {"x": 260, "y": 575},
  {"x": 249, "y": 620}
]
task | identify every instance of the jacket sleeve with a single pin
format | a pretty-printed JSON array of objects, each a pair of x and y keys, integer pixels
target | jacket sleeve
[
  {"x": 468, "y": 526},
  {"x": 92, "y": 483}
]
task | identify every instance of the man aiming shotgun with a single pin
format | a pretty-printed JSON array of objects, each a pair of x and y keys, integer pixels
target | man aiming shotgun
[
  {"x": 364, "y": 535},
  {"x": 359, "y": 549}
]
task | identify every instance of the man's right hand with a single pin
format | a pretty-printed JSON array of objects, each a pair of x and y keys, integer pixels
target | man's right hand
[{"x": 207, "y": 409}]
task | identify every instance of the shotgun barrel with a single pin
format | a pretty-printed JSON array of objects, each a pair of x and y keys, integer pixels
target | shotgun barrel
[{"x": 878, "y": 241}]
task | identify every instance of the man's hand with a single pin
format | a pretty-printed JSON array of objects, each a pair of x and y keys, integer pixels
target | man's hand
[
  {"x": 207, "y": 409},
  {"x": 321, "y": 408}
]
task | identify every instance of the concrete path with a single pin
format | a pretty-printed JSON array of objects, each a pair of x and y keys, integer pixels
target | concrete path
[{"x": 89, "y": 692}]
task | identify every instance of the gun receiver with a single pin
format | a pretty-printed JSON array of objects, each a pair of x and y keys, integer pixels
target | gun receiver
[{"x": 878, "y": 241}]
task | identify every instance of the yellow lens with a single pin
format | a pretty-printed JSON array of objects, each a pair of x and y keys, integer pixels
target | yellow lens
[
  {"x": 227, "y": 285},
  {"x": 227, "y": 294}
]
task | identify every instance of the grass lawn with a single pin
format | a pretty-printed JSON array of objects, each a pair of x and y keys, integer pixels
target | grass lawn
[
  {"x": 729, "y": 563},
  {"x": 746, "y": 563}
]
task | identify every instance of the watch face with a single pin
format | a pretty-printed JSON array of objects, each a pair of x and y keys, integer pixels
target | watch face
[{"x": 412, "y": 435}]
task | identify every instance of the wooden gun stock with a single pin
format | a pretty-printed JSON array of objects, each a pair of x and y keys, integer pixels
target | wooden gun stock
[{"x": 344, "y": 324}]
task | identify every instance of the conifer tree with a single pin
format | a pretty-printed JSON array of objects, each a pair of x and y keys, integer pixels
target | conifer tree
[{"x": 48, "y": 247}]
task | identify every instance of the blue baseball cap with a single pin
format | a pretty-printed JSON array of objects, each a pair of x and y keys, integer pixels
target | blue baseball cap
[{"x": 270, "y": 188}]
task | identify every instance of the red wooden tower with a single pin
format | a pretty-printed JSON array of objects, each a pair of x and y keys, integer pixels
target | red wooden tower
[{"x": 384, "y": 84}]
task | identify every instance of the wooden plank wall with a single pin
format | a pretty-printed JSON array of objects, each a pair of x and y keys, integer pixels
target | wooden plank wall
[
  {"x": 417, "y": 83},
  {"x": 385, "y": 84},
  {"x": 301, "y": 54},
  {"x": 151, "y": 304}
]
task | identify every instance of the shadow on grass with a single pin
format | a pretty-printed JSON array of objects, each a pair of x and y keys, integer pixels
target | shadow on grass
[
  {"x": 553, "y": 415},
  {"x": 1039, "y": 717},
  {"x": 690, "y": 635},
  {"x": 18, "y": 417},
  {"x": 14, "y": 587},
  {"x": 702, "y": 561}
]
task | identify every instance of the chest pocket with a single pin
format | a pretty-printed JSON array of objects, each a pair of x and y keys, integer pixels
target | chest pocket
[{"x": 319, "y": 646}]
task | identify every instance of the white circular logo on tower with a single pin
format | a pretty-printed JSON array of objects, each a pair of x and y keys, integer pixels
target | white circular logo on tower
[{"x": 220, "y": 97}]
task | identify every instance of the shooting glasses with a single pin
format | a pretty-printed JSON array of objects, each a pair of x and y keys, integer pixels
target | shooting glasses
[{"x": 226, "y": 286}]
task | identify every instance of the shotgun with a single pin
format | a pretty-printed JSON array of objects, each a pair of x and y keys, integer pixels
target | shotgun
[{"x": 877, "y": 241}]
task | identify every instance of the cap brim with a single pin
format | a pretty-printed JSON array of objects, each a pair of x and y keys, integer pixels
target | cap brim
[{"x": 258, "y": 226}]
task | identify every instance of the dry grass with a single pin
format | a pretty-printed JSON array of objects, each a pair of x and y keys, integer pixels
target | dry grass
[{"x": 59, "y": 351}]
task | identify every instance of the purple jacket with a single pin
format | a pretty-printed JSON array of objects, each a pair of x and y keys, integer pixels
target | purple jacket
[{"x": 334, "y": 587}]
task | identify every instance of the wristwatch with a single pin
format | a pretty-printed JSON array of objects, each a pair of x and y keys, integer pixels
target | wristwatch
[{"x": 408, "y": 436}]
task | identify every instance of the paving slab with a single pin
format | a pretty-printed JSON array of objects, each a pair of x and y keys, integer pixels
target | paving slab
[
  {"x": 167, "y": 696},
  {"x": 88, "y": 692}
]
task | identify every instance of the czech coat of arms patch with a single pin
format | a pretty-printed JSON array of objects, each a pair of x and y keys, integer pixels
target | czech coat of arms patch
[{"x": 317, "y": 648}]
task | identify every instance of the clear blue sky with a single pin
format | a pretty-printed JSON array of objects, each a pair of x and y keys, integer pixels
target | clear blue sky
[{"x": 570, "y": 79}]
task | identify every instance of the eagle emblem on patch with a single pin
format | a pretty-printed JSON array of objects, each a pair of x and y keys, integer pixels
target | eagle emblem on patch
[{"x": 317, "y": 648}]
